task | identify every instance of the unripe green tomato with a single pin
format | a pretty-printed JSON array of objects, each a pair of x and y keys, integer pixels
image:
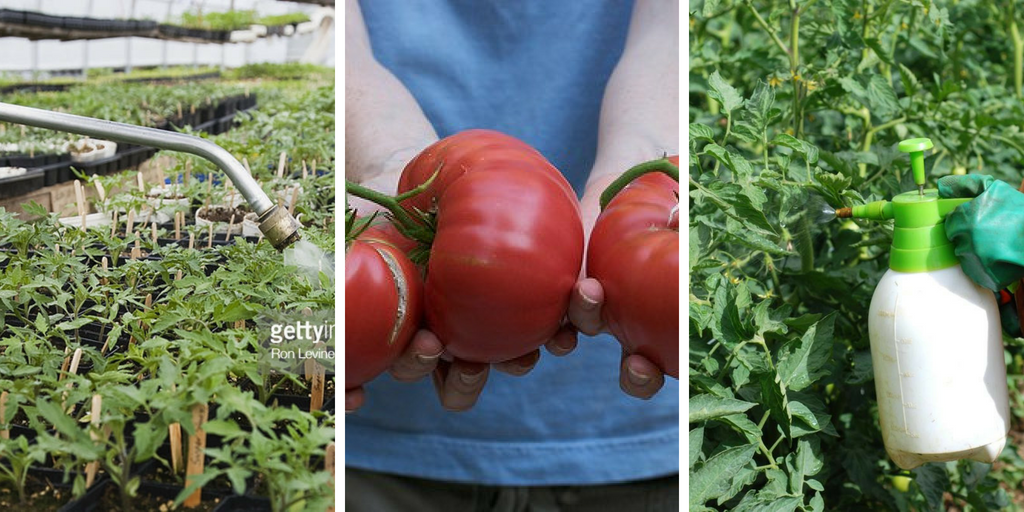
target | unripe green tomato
[
  {"x": 1018, "y": 362},
  {"x": 828, "y": 388},
  {"x": 901, "y": 483}
]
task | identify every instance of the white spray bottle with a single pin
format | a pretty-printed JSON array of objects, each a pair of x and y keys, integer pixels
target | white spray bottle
[{"x": 936, "y": 339}]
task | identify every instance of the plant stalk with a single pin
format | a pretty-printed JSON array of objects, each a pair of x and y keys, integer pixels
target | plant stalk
[{"x": 662, "y": 165}]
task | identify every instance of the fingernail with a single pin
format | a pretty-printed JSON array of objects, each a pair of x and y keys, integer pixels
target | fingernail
[
  {"x": 470, "y": 379},
  {"x": 637, "y": 378},
  {"x": 588, "y": 303},
  {"x": 425, "y": 359}
]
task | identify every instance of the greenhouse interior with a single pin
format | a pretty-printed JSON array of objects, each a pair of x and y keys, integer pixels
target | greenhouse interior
[{"x": 167, "y": 224}]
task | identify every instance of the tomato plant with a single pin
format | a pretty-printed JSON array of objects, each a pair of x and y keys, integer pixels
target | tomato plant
[
  {"x": 505, "y": 240},
  {"x": 385, "y": 293},
  {"x": 634, "y": 253},
  {"x": 794, "y": 105}
]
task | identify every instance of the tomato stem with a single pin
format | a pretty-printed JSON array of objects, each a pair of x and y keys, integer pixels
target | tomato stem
[
  {"x": 662, "y": 165},
  {"x": 414, "y": 225}
]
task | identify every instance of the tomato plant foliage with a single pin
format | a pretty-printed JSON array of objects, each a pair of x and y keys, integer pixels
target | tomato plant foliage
[{"x": 794, "y": 107}]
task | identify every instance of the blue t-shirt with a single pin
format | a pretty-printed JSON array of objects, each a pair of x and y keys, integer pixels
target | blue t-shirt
[{"x": 535, "y": 70}]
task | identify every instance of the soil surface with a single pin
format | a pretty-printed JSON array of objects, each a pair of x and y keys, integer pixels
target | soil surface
[
  {"x": 222, "y": 214},
  {"x": 111, "y": 502},
  {"x": 40, "y": 496}
]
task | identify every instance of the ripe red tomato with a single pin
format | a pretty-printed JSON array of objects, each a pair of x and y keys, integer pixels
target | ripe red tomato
[
  {"x": 383, "y": 306},
  {"x": 508, "y": 244},
  {"x": 634, "y": 253}
]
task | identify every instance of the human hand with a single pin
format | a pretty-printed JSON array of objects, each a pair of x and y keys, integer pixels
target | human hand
[
  {"x": 638, "y": 376},
  {"x": 458, "y": 382}
]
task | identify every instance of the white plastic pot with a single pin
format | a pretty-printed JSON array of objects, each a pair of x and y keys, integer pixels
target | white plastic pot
[
  {"x": 305, "y": 27},
  {"x": 91, "y": 220},
  {"x": 90, "y": 150},
  {"x": 243, "y": 36},
  {"x": 259, "y": 30},
  {"x": 251, "y": 225},
  {"x": 288, "y": 30},
  {"x": 940, "y": 378},
  {"x": 10, "y": 172},
  {"x": 163, "y": 202}
]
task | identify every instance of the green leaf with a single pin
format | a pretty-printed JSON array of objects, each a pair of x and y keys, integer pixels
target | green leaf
[
  {"x": 933, "y": 482},
  {"x": 705, "y": 407},
  {"x": 881, "y": 97},
  {"x": 805, "y": 149},
  {"x": 715, "y": 476},
  {"x": 723, "y": 93},
  {"x": 802, "y": 362},
  {"x": 710, "y": 8},
  {"x": 773, "y": 397},
  {"x": 74, "y": 324},
  {"x": 742, "y": 424},
  {"x": 876, "y": 46},
  {"x": 759, "y": 109},
  {"x": 701, "y": 132},
  {"x": 733, "y": 161},
  {"x": 696, "y": 443},
  {"x": 909, "y": 80},
  {"x": 804, "y": 462},
  {"x": 862, "y": 370},
  {"x": 41, "y": 322},
  {"x": 853, "y": 87}
]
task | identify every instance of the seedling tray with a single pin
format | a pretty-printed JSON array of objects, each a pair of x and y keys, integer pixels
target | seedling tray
[{"x": 20, "y": 185}]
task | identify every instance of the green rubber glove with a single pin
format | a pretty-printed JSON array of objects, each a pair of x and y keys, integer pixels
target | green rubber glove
[
  {"x": 988, "y": 232},
  {"x": 1008, "y": 318}
]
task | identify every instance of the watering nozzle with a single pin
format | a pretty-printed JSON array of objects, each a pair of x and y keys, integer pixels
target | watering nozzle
[
  {"x": 277, "y": 225},
  {"x": 916, "y": 148}
]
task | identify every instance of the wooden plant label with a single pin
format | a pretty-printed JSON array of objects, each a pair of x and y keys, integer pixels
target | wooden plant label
[
  {"x": 94, "y": 420},
  {"x": 280, "y": 164},
  {"x": 101, "y": 192},
  {"x": 329, "y": 466},
  {"x": 174, "y": 431},
  {"x": 196, "y": 449},
  {"x": 76, "y": 358},
  {"x": 80, "y": 201},
  {"x": 6, "y": 432},
  {"x": 131, "y": 223},
  {"x": 316, "y": 397},
  {"x": 295, "y": 199}
]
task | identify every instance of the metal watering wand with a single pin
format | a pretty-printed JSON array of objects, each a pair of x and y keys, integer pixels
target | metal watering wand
[{"x": 277, "y": 225}]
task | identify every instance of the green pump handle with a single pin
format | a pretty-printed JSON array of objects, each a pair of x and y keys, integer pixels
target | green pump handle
[
  {"x": 919, "y": 235},
  {"x": 916, "y": 148}
]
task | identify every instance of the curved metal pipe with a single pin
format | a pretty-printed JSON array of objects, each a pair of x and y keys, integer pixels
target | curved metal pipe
[{"x": 277, "y": 225}]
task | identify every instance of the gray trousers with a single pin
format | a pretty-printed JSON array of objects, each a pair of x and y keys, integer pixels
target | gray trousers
[{"x": 368, "y": 491}]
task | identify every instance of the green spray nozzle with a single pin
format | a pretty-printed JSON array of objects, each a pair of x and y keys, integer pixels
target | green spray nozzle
[
  {"x": 919, "y": 241},
  {"x": 916, "y": 148}
]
